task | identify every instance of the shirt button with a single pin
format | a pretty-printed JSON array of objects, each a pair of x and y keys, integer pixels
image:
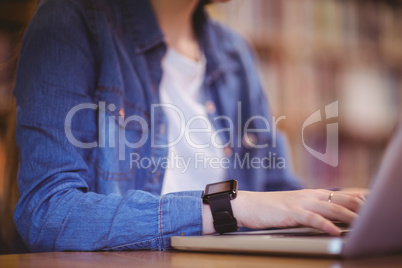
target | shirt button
[
  {"x": 122, "y": 112},
  {"x": 228, "y": 151},
  {"x": 210, "y": 107},
  {"x": 162, "y": 129},
  {"x": 249, "y": 140},
  {"x": 156, "y": 178}
]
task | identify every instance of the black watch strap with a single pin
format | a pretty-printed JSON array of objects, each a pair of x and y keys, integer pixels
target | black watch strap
[{"x": 221, "y": 209}]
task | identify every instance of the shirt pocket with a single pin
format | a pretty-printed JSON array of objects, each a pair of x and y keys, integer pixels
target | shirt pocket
[{"x": 123, "y": 129}]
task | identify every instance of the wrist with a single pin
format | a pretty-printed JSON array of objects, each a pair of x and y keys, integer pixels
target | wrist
[
  {"x": 207, "y": 220},
  {"x": 218, "y": 198},
  {"x": 238, "y": 207}
]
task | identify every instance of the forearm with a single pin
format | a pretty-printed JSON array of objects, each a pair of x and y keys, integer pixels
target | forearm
[{"x": 73, "y": 220}]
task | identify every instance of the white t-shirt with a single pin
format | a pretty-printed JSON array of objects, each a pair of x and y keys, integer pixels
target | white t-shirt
[{"x": 180, "y": 87}]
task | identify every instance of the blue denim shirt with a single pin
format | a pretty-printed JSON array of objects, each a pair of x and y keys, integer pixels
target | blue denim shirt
[{"x": 106, "y": 56}]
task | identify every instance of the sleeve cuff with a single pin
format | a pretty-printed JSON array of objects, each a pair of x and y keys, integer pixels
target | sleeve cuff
[{"x": 180, "y": 214}]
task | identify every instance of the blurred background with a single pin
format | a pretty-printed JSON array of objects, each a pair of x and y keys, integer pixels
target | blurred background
[
  {"x": 314, "y": 52},
  {"x": 14, "y": 17},
  {"x": 310, "y": 53}
]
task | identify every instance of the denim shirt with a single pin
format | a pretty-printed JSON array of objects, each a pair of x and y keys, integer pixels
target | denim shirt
[{"x": 104, "y": 57}]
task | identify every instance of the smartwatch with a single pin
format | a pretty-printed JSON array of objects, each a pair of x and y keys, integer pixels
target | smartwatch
[{"x": 218, "y": 196}]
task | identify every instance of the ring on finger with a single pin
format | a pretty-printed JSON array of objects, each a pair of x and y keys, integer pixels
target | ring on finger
[{"x": 330, "y": 197}]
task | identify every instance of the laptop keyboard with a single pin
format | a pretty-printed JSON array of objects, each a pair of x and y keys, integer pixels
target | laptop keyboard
[{"x": 295, "y": 232}]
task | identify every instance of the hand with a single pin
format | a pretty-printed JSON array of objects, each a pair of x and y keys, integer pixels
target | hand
[
  {"x": 311, "y": 208},
  {"x": 294, "y": 208},
  {"x": 356, "y": 190}
]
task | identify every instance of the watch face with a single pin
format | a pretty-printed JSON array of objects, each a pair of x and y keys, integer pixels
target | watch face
[
  {"x": 217, "y": 188},
  {"x": 226, "y": 186}
]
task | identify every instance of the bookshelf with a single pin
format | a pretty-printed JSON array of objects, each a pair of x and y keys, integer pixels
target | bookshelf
[
  {"x": 314, "y": 52},
  {"x": 14, "y": 17}
]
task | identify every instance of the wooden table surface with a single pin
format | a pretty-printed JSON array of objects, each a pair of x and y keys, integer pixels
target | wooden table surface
[{"x": 183, "y": 259}]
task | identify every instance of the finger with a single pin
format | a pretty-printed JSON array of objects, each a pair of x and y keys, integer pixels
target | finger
[
  {"x": 356, "y": 190},
  {"x": 349, "y": 201},
  {"x": 325, "y": 194},
  {"x": 311, "y": 219},
  {"x": 333, "y": 211},
  {"x": 358, "y": 195}
]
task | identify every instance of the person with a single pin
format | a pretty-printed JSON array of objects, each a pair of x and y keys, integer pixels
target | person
[{"x": 92, "y": 131}]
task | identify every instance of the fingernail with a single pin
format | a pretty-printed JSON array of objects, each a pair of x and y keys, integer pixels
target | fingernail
[{"x": 339, "y": 231}]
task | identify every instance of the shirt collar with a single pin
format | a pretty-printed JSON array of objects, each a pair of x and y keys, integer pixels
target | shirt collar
[
  {"x": 142, "y": 24},
  {"x": 146, "y": 33}
]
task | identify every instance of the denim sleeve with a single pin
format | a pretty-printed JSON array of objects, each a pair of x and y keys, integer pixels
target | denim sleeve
[{"x": 58, "y": 209}]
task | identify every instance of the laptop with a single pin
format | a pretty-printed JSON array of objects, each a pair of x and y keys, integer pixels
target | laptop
[{"x": 377, "y": 230}]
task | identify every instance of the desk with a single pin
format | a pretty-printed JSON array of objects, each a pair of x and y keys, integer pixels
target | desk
[{"x": 183, "y": 259}]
